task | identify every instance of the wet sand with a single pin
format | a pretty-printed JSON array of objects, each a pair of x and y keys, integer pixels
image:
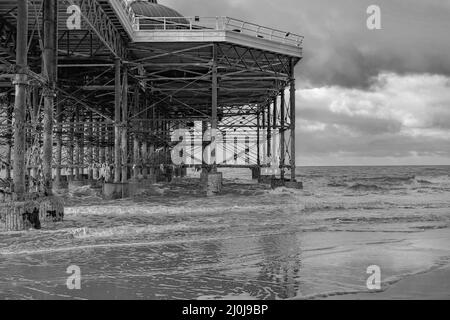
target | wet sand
[{"x": 431, "y": 285}]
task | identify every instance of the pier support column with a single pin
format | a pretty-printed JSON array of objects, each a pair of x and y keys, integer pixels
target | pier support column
[
  {"x": 79, "y": 152},
  {"x": 118, "y": 100},
  {"x": 214, "y": 179},
  {"x": 70, "y": 150},
  {"x": 151, "y": 160},
  {"x": 59, "y": 146},
  {"x": 50, "y": 70},
  {"x": 20, "y": 105},
  {"x": 103, "y": 139},
  {"x": 282, "y": 137},
  {"x": 204, "y": 172},
  {"x": 256, "y": 171},
  {"x": 10, "y": 140},
  {"x": 144, "y": 159},
  {"x": 269, "y": 133},
  {"x": 214, "y": 119},
  {"x": 20, "y": 215},
  {"x": 90, "y": 148},
  {"x": 136, "y": 143},
  {"x": 98, "y": 136},
  {"x": 125, "y": 126},
  {"x": 293, "y": 119},
  {"x": 77, "y": 146},
  {"x": 35, "y": 100},
  {"x": 136, "y": 158},
  {"x": 258, "y": 138},
  {"x": 82, "y": 147}
]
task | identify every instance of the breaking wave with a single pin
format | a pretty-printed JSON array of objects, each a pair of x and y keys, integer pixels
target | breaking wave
[{"x": 366, "y": 187}]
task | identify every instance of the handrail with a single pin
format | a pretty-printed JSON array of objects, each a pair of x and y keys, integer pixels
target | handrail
[
  {"x": 129, "y": 11},
  {"x": 143, "y": 23}
]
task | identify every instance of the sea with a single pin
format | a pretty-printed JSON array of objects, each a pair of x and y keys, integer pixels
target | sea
[{"x": 250, "y": 242}]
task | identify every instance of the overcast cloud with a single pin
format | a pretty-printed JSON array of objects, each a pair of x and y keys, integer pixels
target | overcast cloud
[{"x": 365, "y": 97}]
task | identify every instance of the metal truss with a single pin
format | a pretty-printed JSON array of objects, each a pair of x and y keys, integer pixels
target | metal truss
[
  {"x": 168, "y": 86},
  {"x": 99, "y": 22}
]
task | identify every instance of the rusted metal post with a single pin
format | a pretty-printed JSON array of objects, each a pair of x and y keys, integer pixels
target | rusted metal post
[
  {"x": 78, "y": 148},
  {"x": 59, "y": 109},
  {"x": 10, "y": 140},
  {"x": 104, "y": 142},
  {"x": 71, "y": 149},
  {"x": 263, "y": 127},
  {"x": 49, "y": 61},
  {"x": 98, "y": 136},
  {"x": 293, "y": 119},
  {"x": 144, "y": 143},
  {"x": 90, "y": 147},
  {"x": 214, "y": 120},
  {"x": 59, "y": 145},
  {"x": 118, "y": 100},
  {"x": 269, "y": 132},
  {"x": 275, "y": 114},
  {"x": 36, "y": 95},
  {"x": 82, "y": 146},
  {"x": 21, "y": 82},
  {"x": 125, "y": 126},
  {"x": 204, "y": 146},
  {"x": 214, "y": 180},
  {"x": 258, "y": 139},
  {"x": 136, "y": 158},
  {"x": 282, "y": 137}
]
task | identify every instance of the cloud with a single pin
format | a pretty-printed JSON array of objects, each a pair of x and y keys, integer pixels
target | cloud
[
  {"x": 339, "y": 49},
  {"x": 364, "y": 96},
  {"x": 398, "y": 116}
]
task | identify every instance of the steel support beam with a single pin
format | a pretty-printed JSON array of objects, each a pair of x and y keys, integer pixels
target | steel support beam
[
  {"x": 282, "y": 137},
  {"x": 269, "y": 132},
  {"x": 136, "y": 153},
  {"x": 59, "y": 144},
  {"x": 214, "y": 104},
  {"x": 20, "y": 105},
  {"x": 125, "y": 126},
  {"x": 50, "y": 70},
  {"x": 258, "y": 138},
  {"x": 293, "y": 115},
  {"x": 90, "y": 147},
  {"x": 99, "y": 22},
  {"x": 118, "y": 100}
]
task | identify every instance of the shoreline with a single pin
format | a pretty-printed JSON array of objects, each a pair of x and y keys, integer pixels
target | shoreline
[{"x": 429, "y": 285}]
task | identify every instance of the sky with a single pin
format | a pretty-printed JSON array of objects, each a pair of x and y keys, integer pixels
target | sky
[{"x": 364, "y": 97}]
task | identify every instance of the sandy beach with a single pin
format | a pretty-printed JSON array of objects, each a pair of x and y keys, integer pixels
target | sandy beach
[{"x": 431, "y": 285}]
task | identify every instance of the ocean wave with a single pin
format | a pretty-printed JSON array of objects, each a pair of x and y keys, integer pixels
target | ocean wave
[
  {"x": 379, "y": 184},
  {"x": 436, "y": 180},
  {"x": 318, "y": 206},
  {"x": 337, "y": 185},
  {"x": 366, "y": 187}
]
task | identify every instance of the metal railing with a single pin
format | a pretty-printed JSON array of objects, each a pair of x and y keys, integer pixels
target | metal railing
[
  {"x": 142, "y": 23},
  {"x": 129, "y": 11}
]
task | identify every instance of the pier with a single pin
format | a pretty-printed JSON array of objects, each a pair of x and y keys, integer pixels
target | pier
[{"x": 123, "y": 94}]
